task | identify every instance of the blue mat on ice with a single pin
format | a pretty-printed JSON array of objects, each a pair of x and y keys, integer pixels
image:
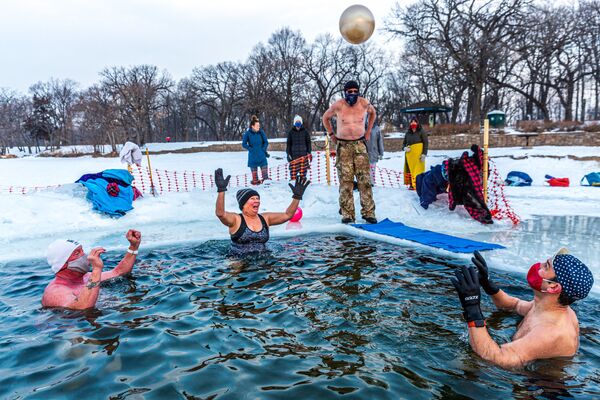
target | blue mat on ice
[{"x": 429, "y": 238}]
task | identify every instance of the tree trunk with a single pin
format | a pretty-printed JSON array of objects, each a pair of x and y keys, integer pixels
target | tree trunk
[
  {"x": 582, "y": 114},
  {"x": 569, "y": 101},
  {"x": 597, "y": 97},
  {"x": 476, "y": 103}
]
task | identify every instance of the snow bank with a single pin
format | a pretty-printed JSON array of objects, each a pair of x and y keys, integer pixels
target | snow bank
[{"x": 28, "y": 223}]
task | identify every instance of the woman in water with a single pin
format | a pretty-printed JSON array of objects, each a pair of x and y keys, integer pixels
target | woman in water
[{"x": 249, "y": 230}]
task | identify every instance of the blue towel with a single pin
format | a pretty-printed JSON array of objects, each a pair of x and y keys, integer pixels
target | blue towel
[{"x": 429, "y": 238}]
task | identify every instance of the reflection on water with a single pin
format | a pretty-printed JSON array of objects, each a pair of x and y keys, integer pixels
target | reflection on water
[
  {"x": 321, "y": 317},
  {"x": 539, "y": 238}
]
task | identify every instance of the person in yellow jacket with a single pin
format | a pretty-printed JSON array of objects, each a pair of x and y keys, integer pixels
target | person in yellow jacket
[{"x": 415, "y": 147}]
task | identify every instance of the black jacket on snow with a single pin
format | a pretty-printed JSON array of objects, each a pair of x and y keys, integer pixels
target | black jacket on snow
[{"x": 298, "y": 143}]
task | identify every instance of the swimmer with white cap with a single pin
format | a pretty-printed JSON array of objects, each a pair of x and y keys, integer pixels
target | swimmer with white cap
[
  {"x": 549, "y": 328},
  {"x": 76, "y": 284}
]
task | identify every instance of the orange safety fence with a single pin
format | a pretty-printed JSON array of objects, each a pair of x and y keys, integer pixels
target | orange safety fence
[{"x": 313, "y": 168}]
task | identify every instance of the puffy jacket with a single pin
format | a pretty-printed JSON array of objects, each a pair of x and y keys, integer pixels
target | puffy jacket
[
  {"x": 256, "y": 143},
  {"x": 298, "y": 143}
]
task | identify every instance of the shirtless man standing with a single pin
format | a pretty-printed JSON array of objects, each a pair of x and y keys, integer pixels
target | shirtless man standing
[
  {"x": 549, "y": 328},
  {"x": 74, "y": 286},
  {"x": 352, "y": 156}
]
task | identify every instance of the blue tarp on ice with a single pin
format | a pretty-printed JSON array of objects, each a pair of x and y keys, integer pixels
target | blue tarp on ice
[{"x": 429, "y": 238}]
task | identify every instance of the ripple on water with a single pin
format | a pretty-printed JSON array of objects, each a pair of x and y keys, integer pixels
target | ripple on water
[{"x": 323, "y": 316}]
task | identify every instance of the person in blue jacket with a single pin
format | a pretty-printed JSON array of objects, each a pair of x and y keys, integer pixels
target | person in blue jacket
[{"x": 255, "y": 141}]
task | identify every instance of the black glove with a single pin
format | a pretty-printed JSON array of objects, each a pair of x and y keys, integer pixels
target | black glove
[
  {"x": 220, "y": 181},
  {"x": 267, "y": 154},
  {"x": 484, "y": 278},
  {"x": 467, "y": 286},
  {"x": 299, "y": 187}
]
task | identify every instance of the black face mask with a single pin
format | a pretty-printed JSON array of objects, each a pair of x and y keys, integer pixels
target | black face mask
[{"x": 351, "y": 98}]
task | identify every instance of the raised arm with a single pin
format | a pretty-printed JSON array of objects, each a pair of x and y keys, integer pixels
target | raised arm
[
  {"x": 515, "y": 354},
  {"x": 541, "y": 342},
  {"x": 298, "y": 191},
  {"x": 277, "y": 218},
  {"x": 126, "y": 264},
  {"x": 502, "y": 300},
  {"x": 88, "y": 295},
  {"x": 226, "y": 218}
]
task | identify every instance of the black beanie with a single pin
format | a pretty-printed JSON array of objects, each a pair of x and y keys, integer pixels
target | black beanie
[
  {"x": 351, "y": 85},
  {"x": 243, "y": 195}
]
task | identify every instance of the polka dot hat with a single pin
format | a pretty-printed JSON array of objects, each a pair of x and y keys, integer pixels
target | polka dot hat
[{"x": 573, "y": 275}]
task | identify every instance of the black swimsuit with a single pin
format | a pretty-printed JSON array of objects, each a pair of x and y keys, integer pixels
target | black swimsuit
[{"x": 245, "y": 240}]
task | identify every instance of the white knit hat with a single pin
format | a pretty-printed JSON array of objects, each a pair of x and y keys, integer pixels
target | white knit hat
[
  {"x": 297, "y": 118},
  {"x": 59, "y": 252}
]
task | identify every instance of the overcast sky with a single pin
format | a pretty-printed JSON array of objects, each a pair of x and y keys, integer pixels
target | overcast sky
[{"x": 40, "y": 39}]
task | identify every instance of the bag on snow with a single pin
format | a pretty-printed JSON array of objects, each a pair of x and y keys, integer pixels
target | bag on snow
[
  {"x": 591, "y": 179},
  {"x": 561, "y": 182},
  {"x": 518, "y": 178}
]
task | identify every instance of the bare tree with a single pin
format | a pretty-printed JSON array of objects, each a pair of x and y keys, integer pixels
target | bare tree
[
  {"x": 139, "y": 92},
  {"x": 61, "y": 96},
  {"x": 14, "y": 110},
  {"x": 474, "y": 34},
  {"x": 219, "y": 98},
  {"x": 326, "y": 69}
]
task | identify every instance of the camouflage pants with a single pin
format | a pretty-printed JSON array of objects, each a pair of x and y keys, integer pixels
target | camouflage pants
[{"x": 353, "y": 160}]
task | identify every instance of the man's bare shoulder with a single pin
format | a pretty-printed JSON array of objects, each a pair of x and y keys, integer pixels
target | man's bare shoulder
[
  {"x": 553, "y": 337},
  {"x": 337, "y": 105},
  {"x": 57, "y": 295}
]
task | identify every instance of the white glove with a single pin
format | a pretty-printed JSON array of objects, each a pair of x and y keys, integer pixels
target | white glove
[
  {"x": 423, "y": 157},
  {"x": 407, "y": 149}
]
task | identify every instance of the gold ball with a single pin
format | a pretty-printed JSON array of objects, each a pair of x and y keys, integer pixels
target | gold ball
[{"x": 357, "y": 24}]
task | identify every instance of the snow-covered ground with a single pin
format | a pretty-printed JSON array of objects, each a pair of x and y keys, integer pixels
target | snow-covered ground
[
  {"x": 28, "y": 223},
  {"x": 152, "y": 147}
]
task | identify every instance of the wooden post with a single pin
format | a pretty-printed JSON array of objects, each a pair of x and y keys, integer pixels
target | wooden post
[
  {"x": 327, "y": 160},
  {"x": 486, "y": 138},
  {"x": 152, "y": 189}
]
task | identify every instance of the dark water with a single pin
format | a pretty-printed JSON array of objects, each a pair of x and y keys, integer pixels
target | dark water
[{"x": 326, "y": 316}]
